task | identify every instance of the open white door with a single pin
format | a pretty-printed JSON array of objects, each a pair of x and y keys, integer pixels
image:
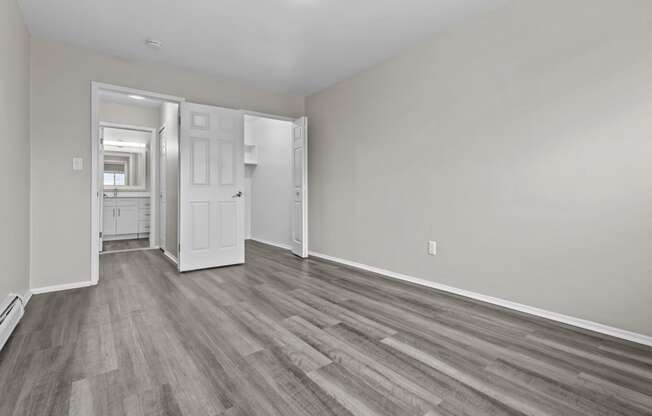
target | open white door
[
  {"x": 300, "y": 184},
  {"x": 100, "y": 192},
  {"x": 162, "y": 184},
  {"x": 211, "y": 169}
]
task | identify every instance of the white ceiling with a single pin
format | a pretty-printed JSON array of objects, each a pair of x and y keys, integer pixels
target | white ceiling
[{"x": 296, "y": 46}]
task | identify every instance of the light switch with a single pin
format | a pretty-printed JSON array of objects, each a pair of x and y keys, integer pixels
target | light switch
[
  {"x": 432, "y": 248},
  {"x": 77, "y": 163}
]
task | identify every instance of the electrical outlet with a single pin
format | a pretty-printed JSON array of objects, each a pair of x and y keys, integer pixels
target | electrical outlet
[
  {"x": 77, "y": 163},
  {"x": 432, "y": 248}
]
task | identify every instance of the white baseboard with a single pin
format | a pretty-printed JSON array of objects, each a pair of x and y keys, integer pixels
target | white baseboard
[
  {"x": 170, "y": 257},
  {"x": 26, "y": 297},
  {"x": 128, "y": 250},
  {"x": 57, "y": 288},
  {"x": 553, "y": 316},
  {"x": 272, "y": 243}
]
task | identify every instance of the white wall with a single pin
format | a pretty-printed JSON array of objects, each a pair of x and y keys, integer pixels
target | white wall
[
  {"x": 133, "y": 115},
  {"x": 271, "y": 180},
  {"x": 520, "y": 140},
  {"x": 14, "y": 150},
  {"x": 61, "y": 78}
]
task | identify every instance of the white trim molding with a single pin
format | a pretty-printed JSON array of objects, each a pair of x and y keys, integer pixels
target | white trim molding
[
  {"x": 272, "y": 243},
  {"x": 265, "y": 115},
  {"x": 530, "y": 310},
  {"x": 57, "y": 288},
  {"x": 26, "y": 297},
  {"x": 170, "y": 256}
]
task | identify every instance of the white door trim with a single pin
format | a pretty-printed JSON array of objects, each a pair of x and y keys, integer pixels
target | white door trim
[
  {"x": 96, "y": 87},
  {"x": 300, "y": 248},
  {"x": 267, "y": 115}
]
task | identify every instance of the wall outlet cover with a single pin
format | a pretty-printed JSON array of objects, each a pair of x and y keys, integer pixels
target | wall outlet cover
[
  {"x": 77, "y": 163},
  {"x": 432, "y": 248}
]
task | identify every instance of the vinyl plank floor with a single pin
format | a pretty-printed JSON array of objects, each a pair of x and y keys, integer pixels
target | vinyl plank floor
[
  {"x": 131, "y": 244},
  {"x": 291, "y": 337}
]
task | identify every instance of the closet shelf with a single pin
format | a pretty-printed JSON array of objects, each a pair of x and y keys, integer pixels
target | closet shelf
[{"x": 251, "y": 154}]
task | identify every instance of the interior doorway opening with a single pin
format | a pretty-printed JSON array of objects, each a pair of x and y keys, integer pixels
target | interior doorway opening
[
  {"x": 274, "y": 182},
  {"x": 172, "y": 175},
  {"x": 130, "y": 210},
  {"x": 137, "y": 172},
  {"x": 128, "y": 181}
]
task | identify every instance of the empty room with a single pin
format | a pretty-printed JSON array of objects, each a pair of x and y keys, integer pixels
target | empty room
[{"x": 317, "y": 207}]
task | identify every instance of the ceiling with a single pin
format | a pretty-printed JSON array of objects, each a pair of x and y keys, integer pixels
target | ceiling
[{"x": 295, "y": 46}]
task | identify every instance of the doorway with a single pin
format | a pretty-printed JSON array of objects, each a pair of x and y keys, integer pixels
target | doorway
[
  {"x": 127, "y": 183},
  {"x": 276, "y": 182},
  {"x": 126, "y": 193},
  {"x": 197, "y": 160}
]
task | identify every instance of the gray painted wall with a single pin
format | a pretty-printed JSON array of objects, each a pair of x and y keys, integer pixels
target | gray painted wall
[
  {"x": 61, "y": 78},
  {"x": 14, "y": 150},
  {"x": 520, "y": 140}
]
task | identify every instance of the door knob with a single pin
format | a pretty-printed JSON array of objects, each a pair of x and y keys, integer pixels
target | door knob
[{"x": 238, "y": 194}]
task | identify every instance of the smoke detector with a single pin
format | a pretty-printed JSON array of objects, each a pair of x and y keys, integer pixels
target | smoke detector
[{"x": 153, "y": 43}]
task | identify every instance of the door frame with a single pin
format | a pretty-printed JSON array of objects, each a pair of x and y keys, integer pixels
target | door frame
[
  {"x": 159, "y": 176},
  {"x": 306, "y": 229},
  {"x": 96, "y": 88},
  {"x": 267, "y": 115}
]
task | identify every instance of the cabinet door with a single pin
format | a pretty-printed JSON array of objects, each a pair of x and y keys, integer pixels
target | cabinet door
[
  {"x": 127, "y": 220},
  {"x": 108, "y": 220}
]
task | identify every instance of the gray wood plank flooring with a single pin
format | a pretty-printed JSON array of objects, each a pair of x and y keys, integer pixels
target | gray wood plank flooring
[
  {"x": 116, "y": 245},
  {"x": 282, "y": 336}
]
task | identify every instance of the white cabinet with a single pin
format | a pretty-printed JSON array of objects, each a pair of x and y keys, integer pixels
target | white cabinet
[
  {"x": 126, "y": 218},
  {"x": 144, "y": 214},
  {"x": 108, "y": 219}
]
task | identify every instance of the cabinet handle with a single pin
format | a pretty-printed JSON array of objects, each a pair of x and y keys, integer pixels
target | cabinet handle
[
  {"x": 118, "y": 212},
  {"x": 113, "y": 212}
]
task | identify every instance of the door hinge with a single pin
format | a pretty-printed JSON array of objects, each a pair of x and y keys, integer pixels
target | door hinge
[
  {"x": 179, "y": 246},
  {"x": 100, "y": 234}
]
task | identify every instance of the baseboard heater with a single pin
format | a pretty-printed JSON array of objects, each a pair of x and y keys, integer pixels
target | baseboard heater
[{"x": 11, "y": 310}]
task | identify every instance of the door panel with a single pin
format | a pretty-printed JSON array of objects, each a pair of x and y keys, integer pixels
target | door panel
[
  {"x": 200, "y": 211},
  {"x": 228, "y": 222},
  {"x": 200, "y": 161},
  {"x": 227, "y": 162},
  {"x": 300, "y": 184},
  {"x": 127, "y": 220},
  {"x": 212, "y": 180}
]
